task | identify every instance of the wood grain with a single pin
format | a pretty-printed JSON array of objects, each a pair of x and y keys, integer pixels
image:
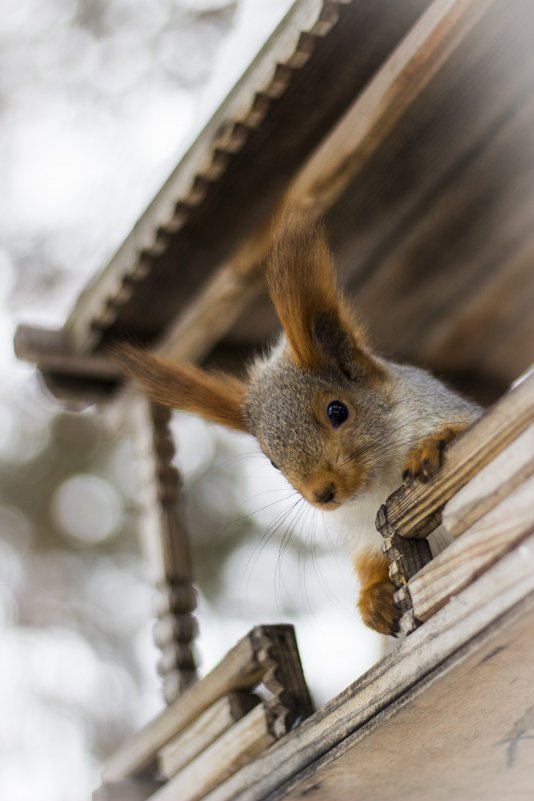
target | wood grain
[
  {"x": 465, "y": 732},
  {"x": 214, "y": 722},
  {"x": 507, "y": 471},
  {"x": 126, "y": 790},
  {"x": 268, "y": 654},
  {"x": 416, "y": 511},
  {"x": 329, "y": 171},
  {"x": 237, "y": 747},
  {"x": 497, "y": 532},
  {"x": 426, "y": 653}
]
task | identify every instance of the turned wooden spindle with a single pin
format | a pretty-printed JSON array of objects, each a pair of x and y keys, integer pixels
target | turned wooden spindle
[{"x": 166, "y": 543}]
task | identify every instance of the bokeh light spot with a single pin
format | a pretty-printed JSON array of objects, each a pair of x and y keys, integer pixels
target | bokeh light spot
[{"x": 87, "y": 508}]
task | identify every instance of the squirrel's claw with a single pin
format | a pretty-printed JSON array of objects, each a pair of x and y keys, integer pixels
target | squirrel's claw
[
  {"x": 378, "y": 609},
  {"x": 425, "y": 460}
]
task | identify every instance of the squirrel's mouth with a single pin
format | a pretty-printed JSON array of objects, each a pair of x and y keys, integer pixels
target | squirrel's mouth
[{"x": 330, "y": 491}]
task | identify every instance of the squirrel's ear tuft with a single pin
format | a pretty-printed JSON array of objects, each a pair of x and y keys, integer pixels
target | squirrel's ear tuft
[
  {"x": 314, "y": 315},
  {"x": 214, "y": 396}
]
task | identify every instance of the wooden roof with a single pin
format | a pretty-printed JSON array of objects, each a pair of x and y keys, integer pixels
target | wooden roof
[{"x": 408, "y": 125}]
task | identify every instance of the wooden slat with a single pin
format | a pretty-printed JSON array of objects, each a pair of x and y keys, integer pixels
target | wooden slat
[
  {"x": 246, "y": 740},
  {"x": 376, "y": 112},
  {"x": 494, "y": 482},
  {"x": 214, "y": 722},
  {"x": 498, "y": 591},
  {"x": 415, "y": 511},
  {"x": 126, "y": 790},
  {"x": 267, "y": 653},
  {"x": 480, "y": 546}
]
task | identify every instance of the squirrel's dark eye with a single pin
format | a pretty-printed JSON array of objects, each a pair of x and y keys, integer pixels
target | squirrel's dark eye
[
  {"x": 337, "y": 413},
  {"x": 274, "y": 465}
]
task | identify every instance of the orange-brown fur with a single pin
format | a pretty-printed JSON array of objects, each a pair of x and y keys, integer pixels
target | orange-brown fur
[
  {"x": 302, "y": 285},
  {"x": 398, "y": 416},
  {"x": 376, "y": 603},
  {"x": 424, "y": 461},
  {"x": 218, "y": 397}
]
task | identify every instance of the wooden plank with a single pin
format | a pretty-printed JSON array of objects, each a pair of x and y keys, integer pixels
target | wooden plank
[
  {"x": 126, "y": 790},
  {"x": 386, "y": 99},
  {"x": 466, "y": 732},
  {"x": 214, "y": 722},
  {"x": 492, "y": 190},
  {"x": 415, "y": 511},
  {"x": 49, "y": 348},
  {"x": 267, "y": 653},
  {"x": 489, "y": 487},
  {"x": 480, "y": 546},
  {"x": 480, "y": 605},
  {"x": 246, "y": 740}
]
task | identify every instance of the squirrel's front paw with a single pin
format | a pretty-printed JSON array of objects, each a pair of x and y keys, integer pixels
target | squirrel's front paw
[
  {"x": 376, "y": 604},
  {"x": 424, "y": 461},
  {"x": 378, "y": 609}
]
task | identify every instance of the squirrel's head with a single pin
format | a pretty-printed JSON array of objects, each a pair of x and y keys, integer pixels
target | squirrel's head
[{"x": 317, "y": 401}]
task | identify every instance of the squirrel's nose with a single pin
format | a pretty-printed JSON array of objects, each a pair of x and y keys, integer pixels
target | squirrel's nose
[{"x": 326, "y": 495}]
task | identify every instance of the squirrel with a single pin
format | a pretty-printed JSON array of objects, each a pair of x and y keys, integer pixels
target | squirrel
[{"x": 343, "y": 425}]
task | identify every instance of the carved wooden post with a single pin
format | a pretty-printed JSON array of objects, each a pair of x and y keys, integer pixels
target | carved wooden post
[{"x": 167, "y": 547}]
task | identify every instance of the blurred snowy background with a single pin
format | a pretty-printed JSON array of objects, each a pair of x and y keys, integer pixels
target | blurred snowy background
[{"x": 98, "y": 99}]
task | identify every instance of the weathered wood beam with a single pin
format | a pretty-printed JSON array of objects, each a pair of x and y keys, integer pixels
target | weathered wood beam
[
  {"x": 486, "y": 541},
  {"x": 207, "y": 728},
  {"x": 513, "y": 466},
  {"x": 242, "y": 743},
  {"x": 268, "y": 654},
  {"x": 416, "y": 511},
  {"x": 127, "y": 790},
  {"x": 49, "y": 348}
]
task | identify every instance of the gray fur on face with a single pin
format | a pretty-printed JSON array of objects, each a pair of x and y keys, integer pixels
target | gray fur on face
[{"x": 286, "y": 409}]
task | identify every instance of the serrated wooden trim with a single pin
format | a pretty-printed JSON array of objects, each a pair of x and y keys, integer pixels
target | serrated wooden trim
[
  {"x": 416, "y": 511},
  {"x": 226, "y": 132},
  {"x": 405, "y": 556},
  {"x": 268, "y": 654},
  {"x": 497, "y": 532}
]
